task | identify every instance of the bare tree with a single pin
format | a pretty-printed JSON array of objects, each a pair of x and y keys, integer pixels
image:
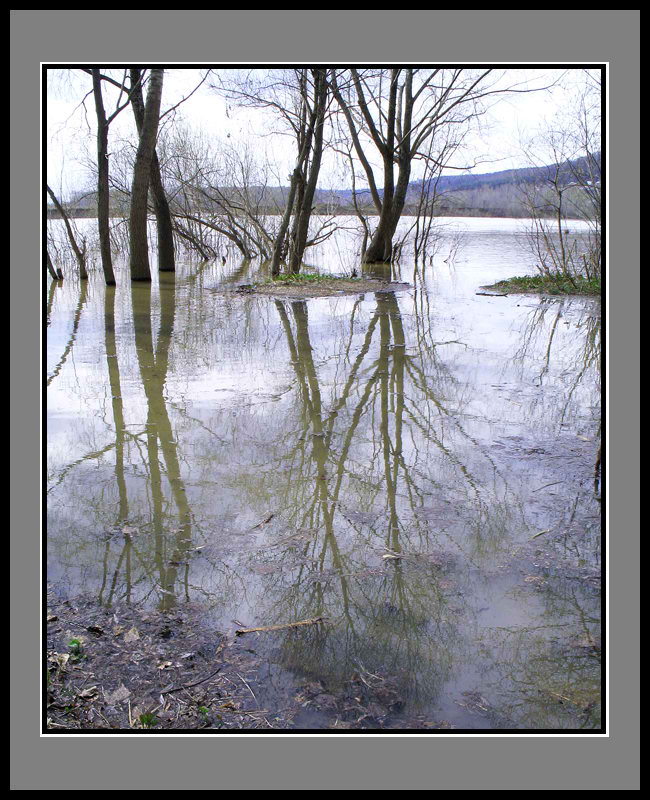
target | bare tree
[
  {"x": 166, "y": 257},
  {"x": 220, "y": 196},
  {"x": 570, "y": 189},
  {"x": 103, "y": 195},
  {"x": 300, "y": 98},
  {"x": 164, "y": 223},
  {"x": 139, "y": 256},
  {"x": 56, "y": 276},
  {"x": 103, "y": 124},
  {"x": 78, "y": 249},
  {"x": 102, "y": 180},
  {"x": 393, "y": 114},
  {"x": 307, "y": 169}
]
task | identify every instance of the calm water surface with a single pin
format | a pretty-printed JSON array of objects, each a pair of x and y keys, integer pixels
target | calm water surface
[{"x": 402, "y": 451}]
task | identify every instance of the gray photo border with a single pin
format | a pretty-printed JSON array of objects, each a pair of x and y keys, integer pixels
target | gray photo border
[{"x": 322, "y": 761}]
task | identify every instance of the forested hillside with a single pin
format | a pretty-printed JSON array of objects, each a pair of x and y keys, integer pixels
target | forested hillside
[{"x": 497, "y": 194}]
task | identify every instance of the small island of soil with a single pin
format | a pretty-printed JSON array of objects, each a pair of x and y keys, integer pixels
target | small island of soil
[{"x": 325, "y": 287}]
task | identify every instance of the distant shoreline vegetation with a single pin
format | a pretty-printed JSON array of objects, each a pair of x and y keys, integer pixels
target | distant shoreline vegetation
[
  {"x": 339, "y": 211},
  {"x": 492, "y": 194}
]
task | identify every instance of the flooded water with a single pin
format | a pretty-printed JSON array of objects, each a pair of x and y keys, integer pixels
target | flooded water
[{"x": 416, "y": 467}]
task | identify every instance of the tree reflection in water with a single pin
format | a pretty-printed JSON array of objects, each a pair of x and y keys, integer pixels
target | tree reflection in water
[{"x": 399, "y": 494}]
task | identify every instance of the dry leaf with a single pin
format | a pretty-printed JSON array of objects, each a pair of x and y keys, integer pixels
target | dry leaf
[
  {"x": 118, "y": 696},
  {"x": 131, "y": 635}
]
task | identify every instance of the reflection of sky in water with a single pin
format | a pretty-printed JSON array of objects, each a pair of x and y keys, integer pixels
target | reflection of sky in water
[{"x": 438, "y": 449}]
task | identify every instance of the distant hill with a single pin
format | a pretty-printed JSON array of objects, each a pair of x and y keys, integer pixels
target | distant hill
[
  {"x": 568, "y": 173},
  {"x": 513, "y": 177},
  {"x": 485, "y": 194}
]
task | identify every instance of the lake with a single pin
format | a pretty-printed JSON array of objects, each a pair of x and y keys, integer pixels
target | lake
[{"x": 416, "y": 467}]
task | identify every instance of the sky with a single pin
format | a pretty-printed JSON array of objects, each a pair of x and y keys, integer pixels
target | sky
[{"x": 70, "y": 124}]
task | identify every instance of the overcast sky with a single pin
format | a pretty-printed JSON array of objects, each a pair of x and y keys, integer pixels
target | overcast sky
[{"x": 70, "y": 125}]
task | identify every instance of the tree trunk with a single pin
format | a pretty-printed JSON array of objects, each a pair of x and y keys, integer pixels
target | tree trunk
[
  {"x": 166, "y": 255},
  {"x": 381, "y": 245},
  {"x": 102, "y": 182},
  {"x": 278, "y": 245},
  {"x": 301, "y": 192},
  {"x": 50, "y": 268},
  {"x": 80, "y": 255},
  {"x": 304, "y": 211},
  {"x": 139, "y": 258}
]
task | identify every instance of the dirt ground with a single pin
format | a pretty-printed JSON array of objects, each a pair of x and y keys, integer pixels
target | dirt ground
[
  {"x": 323, "y": 288},
  {"x": 129, "y": 669}
]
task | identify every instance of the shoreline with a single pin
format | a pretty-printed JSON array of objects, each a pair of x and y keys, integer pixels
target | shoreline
[{"x": 325, "y": 287}]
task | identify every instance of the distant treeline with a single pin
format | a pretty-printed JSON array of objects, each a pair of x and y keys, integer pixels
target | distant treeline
[
  {"x": 77, "y": 213},
  {"x": 440, "y": 210},
  {"x": 493, "y": 194}
]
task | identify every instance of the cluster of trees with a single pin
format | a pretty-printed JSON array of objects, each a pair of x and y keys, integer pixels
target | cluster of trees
[
  {"x": 146, "y": 176},
  {"x": 384, "y": 127},
  {"x": 570, "y": 188}
]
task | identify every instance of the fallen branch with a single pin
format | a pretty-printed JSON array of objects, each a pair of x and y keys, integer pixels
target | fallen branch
[
  {"x": 548, "y": 530},
  {"x": 189, "y": 685},
  {"x": 313, "y": 621},
  {"x": 546, "y": 485},
  {"x": 263, "y": 522}
]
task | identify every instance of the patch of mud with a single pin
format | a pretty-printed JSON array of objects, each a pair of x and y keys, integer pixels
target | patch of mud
[
  {"x": 124, "y": 668},
  {"x": 323, "y": 288},
  {"x": 367, "y": 701}
]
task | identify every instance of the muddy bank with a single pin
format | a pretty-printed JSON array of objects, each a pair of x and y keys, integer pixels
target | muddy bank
[
  {"x": 124, "y": 667},
  {"x": 129, "y": 669},
  {"x": 322, "y": 288}
]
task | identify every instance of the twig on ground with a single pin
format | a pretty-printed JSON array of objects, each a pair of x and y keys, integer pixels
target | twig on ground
[{"x": 313, "y": 621}]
